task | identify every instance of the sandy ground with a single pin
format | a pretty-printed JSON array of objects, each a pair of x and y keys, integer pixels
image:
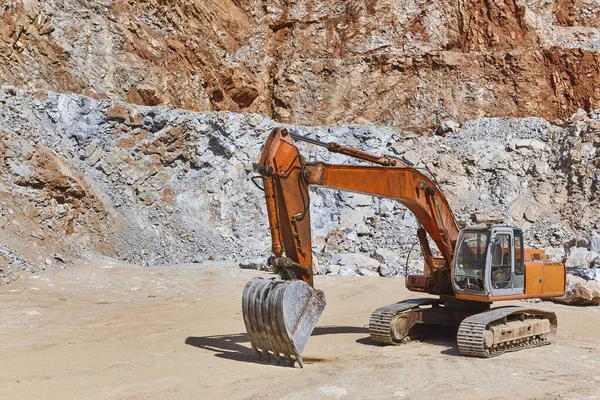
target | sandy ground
[{"x": 111, "y": 331}]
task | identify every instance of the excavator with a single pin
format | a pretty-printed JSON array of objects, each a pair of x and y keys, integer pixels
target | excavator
[{"x": 475, "y": 265}]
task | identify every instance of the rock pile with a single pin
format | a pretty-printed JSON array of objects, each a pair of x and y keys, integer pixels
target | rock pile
[
  {"x": 12, "y": 264},
  {"x": 153, "y": 185},
  {"x": 580, "y": 292},
  {"x": 583, "y": 279}
]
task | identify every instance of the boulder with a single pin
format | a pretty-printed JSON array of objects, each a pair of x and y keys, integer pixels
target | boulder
[
  {"x": 487, "y": 216},
  {"x": 351, "y": 264},
  {"x": 385, "y": 270},
  {"x": 384, "y": 255},
  {"x": 578, "y": 258},
  {"x": 348, "y": 270},
  {"x": 390, "y": 262},
  {"x": 357, "y": 260},
  {"x": 367, "y": 272},
  {"x": 580, "y": 292},
  {"x": 329, "y": 269},
  {"x": 554, "y": 254},
  {"x": 318, "y": 244}
]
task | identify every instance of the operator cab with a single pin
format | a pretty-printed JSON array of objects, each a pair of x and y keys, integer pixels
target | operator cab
[{"x": 489, "y": 261}]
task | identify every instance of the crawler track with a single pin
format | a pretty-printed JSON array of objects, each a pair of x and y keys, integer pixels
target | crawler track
[
  {"x": 470, "y": 336},
  {"x": 381, "y": 319}
]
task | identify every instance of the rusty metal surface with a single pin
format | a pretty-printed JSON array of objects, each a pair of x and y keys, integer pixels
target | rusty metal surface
[
  {"x": 471, "y": 333},
  {"x": 280, "y": 317}
]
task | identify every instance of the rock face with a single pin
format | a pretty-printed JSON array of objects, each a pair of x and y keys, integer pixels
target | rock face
[
  {"x": 405, "y": 63},
  {"x": 154, "y": 185}
]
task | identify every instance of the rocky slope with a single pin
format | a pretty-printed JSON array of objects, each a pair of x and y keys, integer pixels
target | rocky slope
[
  {"x": 155, "y": 185},
  {"x": 405, "y": 63}
]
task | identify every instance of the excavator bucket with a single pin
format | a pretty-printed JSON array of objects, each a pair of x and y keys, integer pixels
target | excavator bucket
[{"x": 280, "y": 317}]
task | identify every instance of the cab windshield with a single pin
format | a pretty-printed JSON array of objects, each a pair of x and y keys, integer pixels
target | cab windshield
[{"x": 469, "y": 266}]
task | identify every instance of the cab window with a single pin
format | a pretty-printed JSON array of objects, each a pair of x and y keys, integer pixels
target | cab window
[
  {"x": 470, "y": 261},
  {"x": 501, "y": 261},
  {"x": 519, "y": 255}
]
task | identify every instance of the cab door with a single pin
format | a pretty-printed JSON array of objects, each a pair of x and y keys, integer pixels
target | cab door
[{"x": 501, "y": 276}]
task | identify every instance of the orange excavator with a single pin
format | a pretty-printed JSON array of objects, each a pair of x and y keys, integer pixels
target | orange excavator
[{"x": 478, "y": 265}]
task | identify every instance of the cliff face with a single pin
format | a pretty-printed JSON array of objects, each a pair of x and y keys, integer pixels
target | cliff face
[
  {"x": 153, "y": 185},
  {"x": 409, "y": 64}
]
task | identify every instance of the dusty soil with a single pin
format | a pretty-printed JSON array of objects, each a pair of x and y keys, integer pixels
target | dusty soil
[{"x": 111, "y": 331}]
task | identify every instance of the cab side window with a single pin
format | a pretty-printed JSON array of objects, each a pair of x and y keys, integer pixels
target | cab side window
[
  {"x": 519, "y": 255},
  {"x": 501, "y": 261}
]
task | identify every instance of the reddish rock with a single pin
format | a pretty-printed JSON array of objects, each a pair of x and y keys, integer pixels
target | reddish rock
[
  {"x": 118, "y": 113},
  {"x": 580, "y": 292},
  {"x": 410, "y": 65}
]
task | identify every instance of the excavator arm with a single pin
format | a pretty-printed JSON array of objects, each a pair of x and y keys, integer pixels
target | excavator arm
[
  {"x": 287, "y": 177},
  {"x": 280, "y": 315}
]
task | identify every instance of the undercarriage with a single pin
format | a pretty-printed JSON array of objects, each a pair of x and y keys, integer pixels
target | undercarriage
[{"x": 481, "y": 331}]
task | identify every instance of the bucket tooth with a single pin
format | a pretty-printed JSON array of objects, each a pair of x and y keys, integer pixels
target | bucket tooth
[{"x": 280, "y": 317}]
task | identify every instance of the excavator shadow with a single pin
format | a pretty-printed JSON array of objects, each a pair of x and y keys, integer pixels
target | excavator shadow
[
  {"x": 333, "y": 330},
  {"x": 448, "y": 341},
  {"x": 237, "y": 346},
  {"x": 232, "y": 347},
  {"x": 441, "y": 337}
]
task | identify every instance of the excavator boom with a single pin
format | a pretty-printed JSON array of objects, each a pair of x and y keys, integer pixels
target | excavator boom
[
  {"x": 280, "y": 316},
  {"x": 287, "y": 177}
]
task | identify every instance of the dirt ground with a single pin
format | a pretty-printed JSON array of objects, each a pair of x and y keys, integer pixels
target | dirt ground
[{"x": 106, "y": 330}]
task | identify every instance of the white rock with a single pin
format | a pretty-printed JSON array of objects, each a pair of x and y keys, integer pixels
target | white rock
[
  {"x": 487, "y": 216},
  {"x": 385, "y": 270},
  {"x": 334, "y": 269},
  {"x": 578, "y": 257},
  {"x": 356, "y": 260},
  {"x": 348, "y": 270},
  {"x": 554, "y": 254}
]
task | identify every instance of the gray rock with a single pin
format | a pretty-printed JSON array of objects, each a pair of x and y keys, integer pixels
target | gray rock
[
  {"x": 589, "y": 274},
  {"x": 578, "y": 258},
  {"x": 348, "y": 270},
  {"x": 594, "y": 242},
  {"x": 367, "y": 272},
  {"x": 94, "y": 157},
  {"x": 487, "y": 216}
]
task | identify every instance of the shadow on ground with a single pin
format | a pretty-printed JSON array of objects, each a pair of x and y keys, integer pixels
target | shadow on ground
[
  {"x": 233, "y": 347},
  {"x": 437, "y": 336},
  {"x": 335, "y": 330},
  {"x": 237, "y": 346}
]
